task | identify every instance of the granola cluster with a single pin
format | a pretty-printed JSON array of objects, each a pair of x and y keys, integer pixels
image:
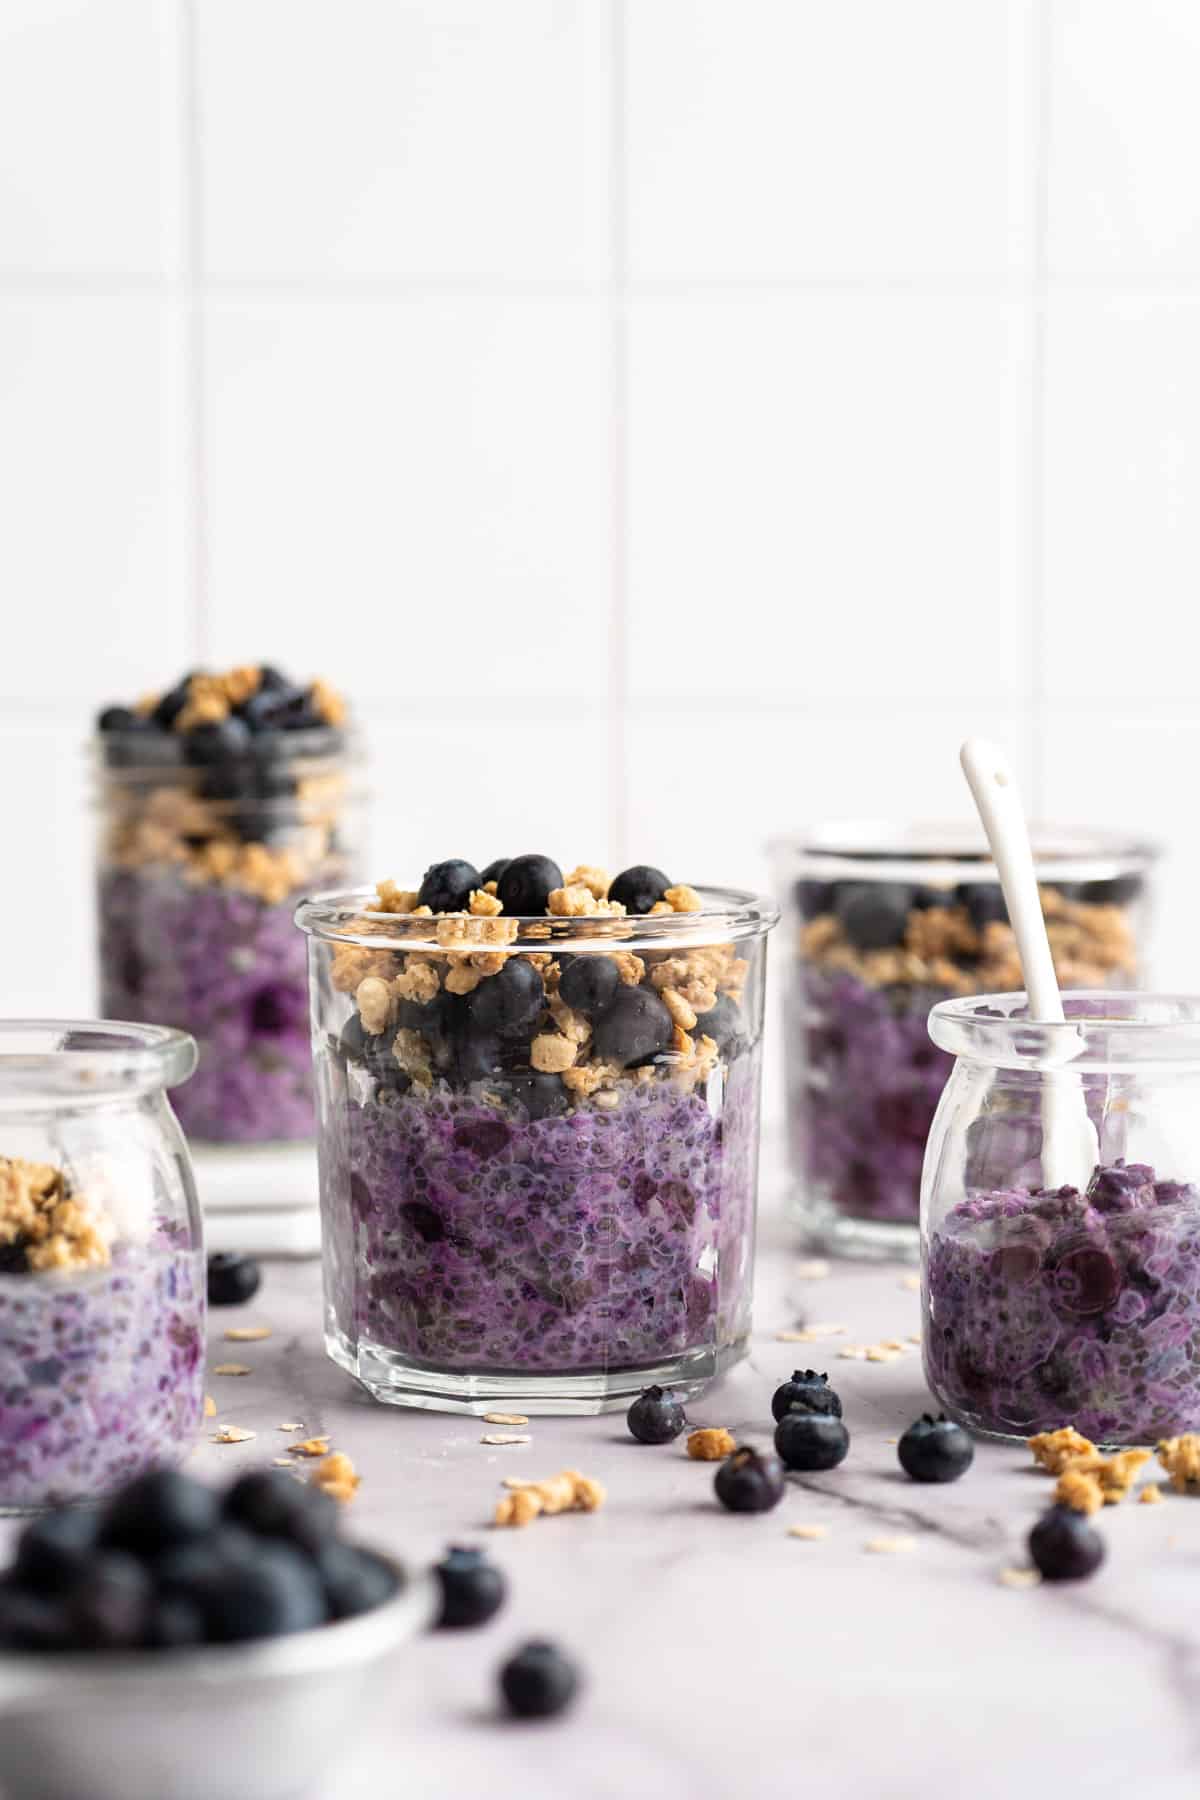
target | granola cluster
[
  {"x": 46, "y": 1226},
  {"x": 1086, "y": 1480},
  {"x": 1180, "y": 1457},
  {"x": 568, "y": 1491},
  {"x": 207, "y": 699}
]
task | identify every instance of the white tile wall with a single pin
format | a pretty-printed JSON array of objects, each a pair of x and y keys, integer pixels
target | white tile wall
[{"x": 671, "y": 420}]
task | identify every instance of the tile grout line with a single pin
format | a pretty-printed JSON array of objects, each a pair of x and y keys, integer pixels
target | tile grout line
[
  {"x": 618, "y": 644},
  {"x": 1038, "y": 294},
  {"x": 192, "y": 205}
]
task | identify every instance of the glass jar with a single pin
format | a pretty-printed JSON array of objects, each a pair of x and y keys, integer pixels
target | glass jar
[
  {"x": 506, "y": 1223},
  {"x": 1080, "y": 1304},
  {"x": 200, "y": 867},
  {"x": 881, "y": 923},
  {"x": 102, "y": 1276}
]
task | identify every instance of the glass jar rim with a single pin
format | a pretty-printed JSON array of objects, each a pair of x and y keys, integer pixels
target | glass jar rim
[
  {"x": 91, "y": 1059},
  {"x": 736, "y": 913},
  {"x": 1104, "y": 1032},
  {"x": 922, "y": 848}
]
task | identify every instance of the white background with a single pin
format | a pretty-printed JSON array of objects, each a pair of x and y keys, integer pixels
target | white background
[{"x": 671, "y": 421}]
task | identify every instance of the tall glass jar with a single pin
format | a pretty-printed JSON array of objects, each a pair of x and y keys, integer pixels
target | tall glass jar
[
  {"x": 552, "y": 1213},
  {"x": 1077, "y": 1304},
  {"x": 202, "y": 858},
  {"x": 102, "y": 1285},
  {"x": 881, "y": 923}
]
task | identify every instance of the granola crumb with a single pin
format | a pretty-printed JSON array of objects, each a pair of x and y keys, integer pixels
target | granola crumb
[
  {"x": 232, "y": 1434},
  {"x": 336, "y": 1476},
  {"x": 1054, "y": 1450},
  {"x": 482, "y": 905},
  {"x": 247, "y": 1334},
  {"x": 814, "y": 1269},
  {"x": 517, "y": 1508},
  {"x": 1078, "y": 1490},
  {"x": 810, "y": 1533},
  {"x": 290, "y": 1425},
  {"x": 498, "y": 1418},
  {"x": 551, "y": 1053},
  {"x": 1151, "y": 1494},
  {"x": 210, "y": 1407},
  {"x": 233, "y": 1369},
  {"x": 568, "y": 1491},
  {"x": 313, "y": 1446},
  {"x": 911, "y": 1282},
  {"x": 630, "y": 968},
  {"x": 710, "y": 1444},
  {"x": 283, "y": 1462},
  {"x": 683, "y": 899},
  {"x": 571, "y": 902},
  {"x": 1020, "y": 1578},
  {"x": 506, "y": 1437},
  {"x": 890, "y": 1546},
  {"x": 1180, "y": 1457},
  {"x": 596, "y": 881},
  {"x": 809, "y": 1334},
  {"x": 373, "y": 998}
]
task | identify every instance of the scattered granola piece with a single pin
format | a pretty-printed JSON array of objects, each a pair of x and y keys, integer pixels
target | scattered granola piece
[
  {"x": 290, "y": 1425},
  {"x": 890, "y": 1546},
  {"x": 506, "y": 1437},
  {"x": 1116, "y": 1474},
  {"x": 505, "y": 1419},
  {"x": 710, "y": 1444},
  {"x": 809, "y": 1532},
  {"x": 1054, "y": 1450},
  {"x": 1180, "y": 1457},
  {"x": 1080, "y": 1491},
  {"x": 1151, "y": 1494},
  {"x": 247, "y": 1334},
  {"x": 814, "y": 1269},
  {"x": 210, "y": 1407},
  {"x": 232, "y": 1434},
  {"x": 336, "y": 1476},
  {"x": 313, "y": 1446},
  {"x": 809, "y": 1334},
  {"x": 232, "y": 1369},
  {"x": 283, "y": 1462},
  {"x": 853, "y": 1353},
  {"x": 879, "y": 1353},
  {"x": 518, "y": 1508},
  {"x": 1020, "y": 1578},
  {"x": 568, "y": 1491},
  {"x": 911, "y": 1282}
]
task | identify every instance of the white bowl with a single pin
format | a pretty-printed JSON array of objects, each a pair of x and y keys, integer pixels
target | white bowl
[{"x": 255, "y": 1721}]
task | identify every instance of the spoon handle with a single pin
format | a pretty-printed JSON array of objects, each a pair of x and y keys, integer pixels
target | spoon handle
[{"x": 995, "y": 790}]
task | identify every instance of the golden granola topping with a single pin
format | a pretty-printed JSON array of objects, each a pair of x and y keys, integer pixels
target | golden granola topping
[
  {"x": 1180, "y": 1457},
  {"x": 58, "y": 1230},
  {"x": 630, "y": 968},
  {"x": 710, "y": 1444},
  {"x": 373, "y": 997},
  {"x": 569, "y": 1491},
  {"x": 551, "y": 1053},
  {"x": 596, "y": 881},
  {"x": 1151, "y": 1495},
  {"x": 392, "y": 899},
  {"x": 336, "y": 1476},
  {"x": 682, "y": 1014},
  {"x": 571, "y": 902},
  {"x": 1078, "y": 1490},
  {"x": 484, "y": 905},
  {"x": 1055, "y": 1450},
  {"x": 683, "y": 899},
  {"x": 419, "y": 980}
]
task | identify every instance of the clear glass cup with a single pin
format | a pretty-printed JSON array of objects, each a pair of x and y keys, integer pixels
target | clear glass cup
[
  {"x": 102, "y": 1275},
  {"x": 882, "y": 922},
  {"x": 505, "y": 1225},
  {"x": 199, "y": 870},
  {"x": 1078, "y": 1305}
]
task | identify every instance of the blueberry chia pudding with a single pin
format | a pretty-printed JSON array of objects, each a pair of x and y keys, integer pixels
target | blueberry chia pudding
[
  {"x": 1049, "y": 1307},
  {"x": 872, "y": 957},
  {"x": 101, "y": 1343},
  {"x": 224, "y": 801},
  {"x": 537, "y": 1162}
]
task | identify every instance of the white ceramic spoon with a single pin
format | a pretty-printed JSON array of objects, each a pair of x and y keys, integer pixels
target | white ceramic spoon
[{"x": 1070, "y": 1150}]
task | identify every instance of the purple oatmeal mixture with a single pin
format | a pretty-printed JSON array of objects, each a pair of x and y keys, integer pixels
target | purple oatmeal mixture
[{"x": 1044, "y": 1308}]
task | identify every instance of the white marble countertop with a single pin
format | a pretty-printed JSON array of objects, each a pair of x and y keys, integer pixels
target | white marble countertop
[{"x": 723, "y": 1657}]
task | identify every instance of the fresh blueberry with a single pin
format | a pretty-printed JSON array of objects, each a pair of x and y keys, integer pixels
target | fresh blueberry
[
  {"x": 278, "y": 1592},
  {"x": 174, "y": 1624},
  {"x": 935, "y": 1449},
  {"x": 526, "y": 885},
  {"x": 813, "y": 898},
  {"x": 109, "y": 1607},
  {"x": 721, "y": 1022},
  {"x": 191, "y": 1571},
  {"x": 354, "y": 1581},
  {"x": 447, "y": 886},
  {"x": 477, "y": 1057},
  {"x": 30, "y": 1621},
  {"x": 639, "y": 888},
  {"x": 381, "y": 1062},
  {"x": 933, "y": 899},
  {"x": 636, "y": 1027},
  {"x": 984, "y": 901},
  {"x": 494, "y": 870},
  {"x": 810, "y": 1441},
  {"x": 14, "y": 1259},
  {"x": 589, "y": 984},
  {"x": 1118, "y": 890},
  {"x": 873, "y": 914},
  {"x": 53, "y": 1550},
  {"x": 272, "y": 1505},
  {"x": 807, "y": 1392},
  {"x": 542, "y": 1096},
  {"x": 157, "y": 1510},
  {"x": 232, "y": 1278},
  {"x": 271, "y": 680},
  {"x": 656, "y": 1416},
  {"x": 1064, "y": 1547},
  {"x": 222, "y": 742},
  {"x": 353, "y": 1040},
  {"x": 538, "y": 1682},
  {"x": 171, "y": 704},
  {"x": 749, "y": 1481},
  {"x": 473, "y": 1588},
  {"x": 507, "y": 1003},
  {"x": 118, "y": 718}
]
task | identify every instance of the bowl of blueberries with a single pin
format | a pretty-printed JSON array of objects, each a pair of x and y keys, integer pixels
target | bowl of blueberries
[{"x": 176, "y": 1629}]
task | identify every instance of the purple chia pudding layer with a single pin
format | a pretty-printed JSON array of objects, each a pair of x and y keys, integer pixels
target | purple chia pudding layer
[
  {"x": 1046, "y": 1308},
  {"x": 476, "y": 1239},
  {"x": 101, "y": 1374}
]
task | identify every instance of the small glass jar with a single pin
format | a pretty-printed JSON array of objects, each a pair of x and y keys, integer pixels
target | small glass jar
[
  {"x": 102, "y": 1279},
  {"x": 200, "y": 867},
  {"x": 881, "y": 923},
  {"x": 1080, "y": 1304},
  {"x": 554, "y": 1218}
]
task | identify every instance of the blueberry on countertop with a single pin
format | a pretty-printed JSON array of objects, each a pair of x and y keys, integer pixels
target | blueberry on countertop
[
  {"x": 158, "y": 1510},
  {"x": 807, "y": 1391},
  {"x": 509, "y": 1001},
  {"x": 527, "y": 883},
  {"x": 811, "y": 1441},
  {"x": 232, "y": 1279},
  {"x": 935, "y": 1449},
  {"x": 639, "y": 888},
  {"x": 749, "y": 1481},
  {"x": 538, "y": 1682},
  {"x": 447, "y": 886},
  {"x": 634, "y": 1028},
  {"x": 589, "y": 984},
  {"x": 494, "y": 870},
  {"x": 873, "y": 914},
  {"x": 473, "y": 1588},
  {"x": 1064, "y": 1547},
  {"x": 656, "y": 1416}
]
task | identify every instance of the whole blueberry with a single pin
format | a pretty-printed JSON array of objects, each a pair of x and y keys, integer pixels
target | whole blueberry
[
  {"x": 353, "y": 1040},
  {"x": 873, "y": 914},
  {"x": 656, "y": 1416},
  {"x": 508, "y": 1002},
  {"x": 811, "y": 1441},
  {"x": 157, "y": 1510},
  {"x": 749, "y": 1481},
  {"x": 118, "y": 718},
  {"x": 221, "y": 742},
  {"x": 984, "y": 901},
  {"x": 542, "y": 1096},
  {"x": 933, "y": 899},
  {"x": 639, "y": 887},
  {"x": 473, "y": 1588},
  {"x": 807, "y": 1392},
  {"x": 813, "y": 898},
  {"x": 232, "y": 1278},
  {"x": 271, "y": 680},
  {"x": 447, "y": 886},
  {"x": 589, "y": 984},
  {"x": 635, "y": 1027},
  {"x": 171, "y": 704},
  {"x": 935, "y": 1449},
  {"x": 269, "y": 1503},
  {"x": 191, "y": 1571},
  {"x": 109, "y": 1606},
  {"x": 538, "y": 1682},
  {"x": 526, "y": 885},
  {"x": 174, "y": 1624},
  {"x": 1064, "y": 1547},
  {"x": 354, "y": 1581},
  {"x": 478, "y": 1056},
  {"x": 264, "y": 710},
  {"x": 1118, "y": 890},
  {"x": 722, "y": 1022},
  {"x": 494, "y": 870},
  {"x": 53, "y": 1550},
  {"x": 277, "y": 1593}
]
